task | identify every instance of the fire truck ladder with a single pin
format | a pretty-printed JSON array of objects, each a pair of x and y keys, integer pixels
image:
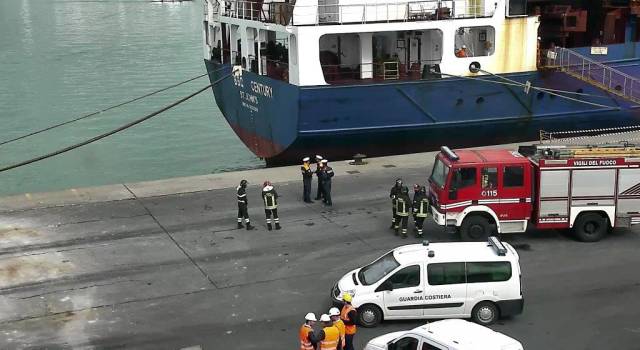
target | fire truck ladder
[
  {"x": 595, "y": 73},
  {"x": 587, "y": 151}
]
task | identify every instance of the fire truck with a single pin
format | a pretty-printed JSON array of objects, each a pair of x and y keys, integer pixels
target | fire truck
[{"x": 589, "y": 189}]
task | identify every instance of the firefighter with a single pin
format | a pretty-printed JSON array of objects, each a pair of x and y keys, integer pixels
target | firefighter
[
  {"x": 243, "y": 204},
  {"x": 326, "y": 175},
  {"x": 307, "y": 177},
  {"x": 318, "y": 172},
  {"x": 420, "y": 207},
  {"x": 348, "y": 315},
  {"x": 403, "y": 206},
  {"x": 329, "y": 336},
  {"x": 395, "y": 192},
  {"x": 306, "y": 333},
  {"x": 270, "y": 198},
  {"x": 334, "y": 313}
]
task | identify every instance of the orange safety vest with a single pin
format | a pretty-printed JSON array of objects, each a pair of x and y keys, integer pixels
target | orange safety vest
[
  {"x": 331, "y": 336},
  {"x": 305, "y": 344},
  {"x": 341, "y": 327},
  {"x": 348, "y": 329}
]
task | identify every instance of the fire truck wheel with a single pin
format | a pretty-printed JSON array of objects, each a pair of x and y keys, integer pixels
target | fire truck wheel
[
  {"x": 590, "y": 227},
  {"x": 475, "y": 228}
]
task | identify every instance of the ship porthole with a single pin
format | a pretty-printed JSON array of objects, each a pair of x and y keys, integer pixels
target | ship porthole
[
  {"x": 540, "y": 95},
  {"x": 480, "y": 100},
  {"x": 459, "y": 102}
]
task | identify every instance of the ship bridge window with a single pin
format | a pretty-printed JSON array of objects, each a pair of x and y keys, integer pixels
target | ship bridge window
[
  {"x": 275, "y": 55},
  {"x": 475, "y": 41}
]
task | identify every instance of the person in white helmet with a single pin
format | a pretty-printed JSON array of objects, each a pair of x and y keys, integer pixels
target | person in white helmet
[
  {"x": 334, "y": 313},
  {"x": 306, "y": 334},
  {"x": 329, "y": 336}
]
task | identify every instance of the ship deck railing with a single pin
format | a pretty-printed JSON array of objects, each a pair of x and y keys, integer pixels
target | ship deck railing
[
  {"x": 285, "y": 13},
  {"x": 595, "y": 73}
]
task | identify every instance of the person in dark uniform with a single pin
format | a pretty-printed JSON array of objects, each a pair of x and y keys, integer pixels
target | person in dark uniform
[
  {"x": 326, "y": 175},
  {"x": 319, "y": 194},
  {"x": 307, "y": 177},
  {"x": 393, "y": 194},
  {"x": 243, "y": 204},
  {"x": 270, "y": 199},
  {"x": 403, "y": 207},
  {"x": 420, "y": 208}
]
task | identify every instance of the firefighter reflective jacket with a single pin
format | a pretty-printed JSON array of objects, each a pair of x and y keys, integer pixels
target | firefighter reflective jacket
[{"x": 270, "y": 197}]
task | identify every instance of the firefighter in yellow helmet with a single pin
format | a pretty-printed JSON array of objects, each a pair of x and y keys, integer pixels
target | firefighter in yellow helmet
[{"x": 348, "y": 315}]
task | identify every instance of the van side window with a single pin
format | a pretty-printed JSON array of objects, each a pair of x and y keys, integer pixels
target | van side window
[
  {"x": 426, "y": 346},
  {"x": 513, "y": 176},
  {"x": 406, "y": 277},
  {"x": 407, "y": 343},
  {"x": 445, "y": 273},
  {"x": 498, "y": 271},
  {"x": 464, "y": 177}
]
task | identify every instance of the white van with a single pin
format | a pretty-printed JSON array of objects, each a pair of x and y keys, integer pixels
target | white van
[
  {"x": 438, "y": 280},
  {"x": 445, "y": 335}
]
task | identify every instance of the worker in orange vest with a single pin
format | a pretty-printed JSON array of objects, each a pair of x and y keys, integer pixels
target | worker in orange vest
[
  {"x": 334, "y": 313},
  {"x": 348, "y": 315},
  {"x": 329, "y": 337},
  {"x": 306, "y": 332}
]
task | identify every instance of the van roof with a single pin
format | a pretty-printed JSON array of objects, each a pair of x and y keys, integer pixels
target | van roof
[
  {"x": 452, "y": 251},
  {"x": 461, "y": 334}
]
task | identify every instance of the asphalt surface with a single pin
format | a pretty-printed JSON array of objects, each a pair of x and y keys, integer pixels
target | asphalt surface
[{"x": 171, "y": 272}]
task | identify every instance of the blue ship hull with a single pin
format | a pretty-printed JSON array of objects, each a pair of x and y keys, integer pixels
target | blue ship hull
[{"x": 282, "y": 123}]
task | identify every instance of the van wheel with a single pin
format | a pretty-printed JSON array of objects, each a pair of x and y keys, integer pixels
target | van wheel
[
  {"x": 475, "y": 228},
  {"x": 590, "y": 227},
  {"x": 369, "y": 315},
  {"x": 485, "y": 313}
]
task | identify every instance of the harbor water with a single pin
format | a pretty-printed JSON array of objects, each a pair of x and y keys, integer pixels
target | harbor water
[{"x": 60, "y": 59}]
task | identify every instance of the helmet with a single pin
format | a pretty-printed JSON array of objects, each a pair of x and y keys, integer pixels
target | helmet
[
  {"x": 334, "y": 311},
  {"x": 266, "y": 183},
  {"x": 243, "y": 183},
  {"x": 325, "y": 318},
  {"x": 398, "y": 181},
  {"x": 423, "y": 189},
  {"x": 416, "y": 188},
  {"x": 347, "y": 297},
  {"x": 405, "y": 190},
  {"x": 310, "y": 317}
]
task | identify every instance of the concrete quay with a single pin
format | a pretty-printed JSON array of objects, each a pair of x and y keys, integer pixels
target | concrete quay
[{"x": 160, "y": 265}]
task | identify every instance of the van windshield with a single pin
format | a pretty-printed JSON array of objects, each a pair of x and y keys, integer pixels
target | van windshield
[
  {"x": 373, "y": 272},
  {"x": 439, "y": 173}
]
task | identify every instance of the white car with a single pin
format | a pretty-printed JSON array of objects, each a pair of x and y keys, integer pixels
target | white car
[
  {"x": 480, "y": 280},
  {"x": 445, "y": 335}
]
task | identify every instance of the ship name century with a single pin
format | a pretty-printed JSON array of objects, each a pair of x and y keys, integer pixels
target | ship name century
[{"x": 261, "y": 89}]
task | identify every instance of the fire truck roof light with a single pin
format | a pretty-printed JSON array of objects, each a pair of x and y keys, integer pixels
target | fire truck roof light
[
  {"x": 497, "y": 245},
  {"x": 449, "y": 153}
]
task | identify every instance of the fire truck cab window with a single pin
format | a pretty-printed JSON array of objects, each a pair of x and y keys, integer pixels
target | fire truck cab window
[
  {"x": 439, "y": 173},
  {"x": 513, "y": 176},
  {"x": 464, "y": 177},
  {"x": 489, "y": 178}
]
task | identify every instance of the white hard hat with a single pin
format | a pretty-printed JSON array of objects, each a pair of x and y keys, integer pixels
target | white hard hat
[
  {"x": 305, "y": 159},
  {"x": 324, "y": 161},
  {"x": 464, "y": 46},
  {"x": 325, "y": 318},
  {"x": 318, "y": 157},
  {"x": 334, "y": 311},
  {"x": 310, "y": 317}
]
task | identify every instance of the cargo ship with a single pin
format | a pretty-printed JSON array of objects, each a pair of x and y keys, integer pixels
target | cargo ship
[{"x": 342, "y": 77}]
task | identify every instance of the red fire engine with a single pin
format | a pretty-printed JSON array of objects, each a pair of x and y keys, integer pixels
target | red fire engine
[{"x": 587, "y": 188}]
